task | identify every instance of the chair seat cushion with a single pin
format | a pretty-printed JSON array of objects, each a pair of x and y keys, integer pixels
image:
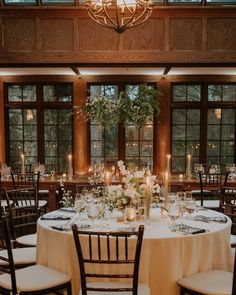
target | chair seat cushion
[
  {"x": 4, "y": 203},
  {"x": 142, "y": 289},
  {"x": 20, "y": 256},
  {"x": 209, "y": 203},
  {"x": 233, "y": 241},
  {"x": 196, "y": 191},
  {"x": 214, "y": 282},
  {"x": 28, "y": 203},
  {"x": 34, "y": 278},
  {"x": 28, "y": 240},
  {"x": 42, "y": 203}
]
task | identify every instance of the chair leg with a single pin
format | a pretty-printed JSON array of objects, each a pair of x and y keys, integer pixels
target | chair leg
[{"x": 69, "y": 291}]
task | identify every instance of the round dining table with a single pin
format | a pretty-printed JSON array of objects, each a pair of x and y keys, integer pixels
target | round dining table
[{"x": 166, "y": 256}]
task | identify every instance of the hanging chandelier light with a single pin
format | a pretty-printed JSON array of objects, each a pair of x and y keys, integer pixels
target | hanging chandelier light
[{"x": 119, "y": 15}]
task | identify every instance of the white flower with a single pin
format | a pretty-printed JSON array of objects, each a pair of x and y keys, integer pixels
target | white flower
[
  {"x": 156, "y": 188},
  {"x": 120, "y": 163}
]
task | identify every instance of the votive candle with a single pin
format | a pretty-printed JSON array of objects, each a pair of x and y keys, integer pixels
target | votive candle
[{"x": 107, "y": 178}]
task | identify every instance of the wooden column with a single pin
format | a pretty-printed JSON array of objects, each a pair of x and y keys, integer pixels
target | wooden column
[
  {"x": 163, "y": 130},
  {"x": 2, "y": 125},
  {"x": 80, "y": 130}
]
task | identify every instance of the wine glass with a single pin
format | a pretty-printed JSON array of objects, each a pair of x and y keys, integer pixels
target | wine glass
[
  {"x": 173, "y": 213},
  {"x": 92, "y": 210},
  {"x": 80, "y": 203},
  {"x": 190, "y": 206},
  {"x": 181, "y": 199},
  {"x": 142, "y": 209}
]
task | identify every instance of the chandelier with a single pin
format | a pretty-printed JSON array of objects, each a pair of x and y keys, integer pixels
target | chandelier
[{"x": 119, "y": 15}]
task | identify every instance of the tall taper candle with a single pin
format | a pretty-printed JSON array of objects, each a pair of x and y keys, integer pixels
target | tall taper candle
[
  {"x": 148, "y": 196},
  {"x": 189, "y": 167},
  {"x": 22, "y": 160},
  {"x": 70, "y": 167},
  {"x": 168, "y": 169}
]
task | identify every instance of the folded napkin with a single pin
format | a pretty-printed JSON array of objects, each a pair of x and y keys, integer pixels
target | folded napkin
[
  {"x": 125, "y": 228},
  {"x": 189, "y": 229},
  {"x": 55, "y": 217},
  {"x": 60, "y": 227},
  {"x": 69, "y": 209},
  {"x": 220, "y": 219}
]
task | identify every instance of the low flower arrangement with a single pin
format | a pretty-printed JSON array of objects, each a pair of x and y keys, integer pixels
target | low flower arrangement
[{"x": 133, "y": 188}]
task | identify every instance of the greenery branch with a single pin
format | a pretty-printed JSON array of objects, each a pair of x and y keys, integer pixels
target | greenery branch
[{"x": 135, "y": 107}]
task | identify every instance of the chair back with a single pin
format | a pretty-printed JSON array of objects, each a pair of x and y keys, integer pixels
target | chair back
[
  {"x": 22, "y": 210},
  {"x": 5, "y": 243},
  {"x": 108, "y": 248},
  {"x": 212, "y": 182},
  {"x": 25, "y": 179},
  {"x": 234, "y": 277},
  {"x": 17, "y": 168},
  {"x": 228, "y": 204}
]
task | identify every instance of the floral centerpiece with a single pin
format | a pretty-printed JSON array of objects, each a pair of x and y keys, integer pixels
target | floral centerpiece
[{"x": 133, "y": 188}]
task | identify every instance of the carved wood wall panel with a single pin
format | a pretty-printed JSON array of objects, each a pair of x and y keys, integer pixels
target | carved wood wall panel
[
  {"x": 221, "y": 34},
  {"x": 95, "y": 37},
  {"x": 171, "y": 35},
  {"x": 19, "y": 34},
  {"x": 185, "y": 34},
  {"x": 150, "y": 36},
  {"x": 57, "y": 34}
]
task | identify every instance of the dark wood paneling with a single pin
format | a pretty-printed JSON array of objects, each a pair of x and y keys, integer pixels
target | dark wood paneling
[
  {"x": 19, "y": 34},
  {"x": 221, "y": 34},
  {"x": 57, "y": 34},
  {"x": 185, "y": 34},
  {"x": 68, "y": 35},
  {"x": 150, "y": 36},
  {"x": 95, "y": 37}
]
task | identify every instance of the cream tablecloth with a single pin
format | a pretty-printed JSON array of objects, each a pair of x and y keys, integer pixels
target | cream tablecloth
[{"x": 166, "y": 256}]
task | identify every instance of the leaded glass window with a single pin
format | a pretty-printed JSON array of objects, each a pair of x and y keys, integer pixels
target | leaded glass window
[
  {"x": 39, "y": 123},
  {"x": 104, "y": 140},
  {"x": 122, "y": 141}
]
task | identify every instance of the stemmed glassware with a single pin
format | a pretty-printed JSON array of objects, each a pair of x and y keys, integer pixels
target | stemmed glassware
[
  {"x": 173, "y": 213},
  {"x": 190, "y": 206}
]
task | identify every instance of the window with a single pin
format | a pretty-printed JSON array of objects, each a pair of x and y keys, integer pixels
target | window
[
  {"x": 185, "y": 125},
  {"x": 221, "y": 124},
  {"x": 39, "y": 123},
  {"x": 121, "y": 141},
  {"x": 206, "y": 112}
]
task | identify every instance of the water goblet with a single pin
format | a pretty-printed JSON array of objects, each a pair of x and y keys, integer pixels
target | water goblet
[
  {"x": 80, "y": 203},
  {"x": 92, "y": 210},
  {"x": 52, "y": 173},
  {"x": 181, "y": 199},
  {"x": 173, "y": 213},
  {"x": 142, "y": 209},
  {"x": 190, "y": 207}
]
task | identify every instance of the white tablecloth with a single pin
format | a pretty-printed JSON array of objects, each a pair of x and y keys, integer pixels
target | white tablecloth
[{"x": 166, "y": 256}]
